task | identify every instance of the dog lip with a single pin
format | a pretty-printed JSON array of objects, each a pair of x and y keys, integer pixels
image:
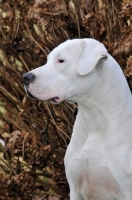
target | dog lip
[
  {"x": 29, "y": 94},
  {"x": 54, "y": 99}
]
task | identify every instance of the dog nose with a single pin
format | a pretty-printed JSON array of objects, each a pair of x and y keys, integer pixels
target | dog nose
[{"x": 28, "y": 78}]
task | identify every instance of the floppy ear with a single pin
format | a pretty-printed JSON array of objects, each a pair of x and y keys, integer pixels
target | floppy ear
[{"x": 91, "y": 54}]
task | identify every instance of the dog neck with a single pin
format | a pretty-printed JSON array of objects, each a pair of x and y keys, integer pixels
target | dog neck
[
  {"x": 111, "y": 94},
  {"x": 110, "y": 101}
]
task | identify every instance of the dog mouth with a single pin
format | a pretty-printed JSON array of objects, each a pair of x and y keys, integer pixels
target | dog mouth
[{"x": 53, "y": 100}]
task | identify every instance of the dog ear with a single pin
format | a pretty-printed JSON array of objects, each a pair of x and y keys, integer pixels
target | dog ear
[{"x": 91, "y": 54}]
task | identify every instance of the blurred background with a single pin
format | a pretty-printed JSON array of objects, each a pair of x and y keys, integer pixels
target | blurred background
[{"x": 35, "y": 133}]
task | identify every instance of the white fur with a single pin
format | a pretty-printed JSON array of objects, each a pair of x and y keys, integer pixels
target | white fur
[{"x": 98, "y": 160}]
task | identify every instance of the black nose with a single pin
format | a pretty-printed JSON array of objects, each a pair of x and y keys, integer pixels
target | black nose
[{"x": 28, "y": 78}]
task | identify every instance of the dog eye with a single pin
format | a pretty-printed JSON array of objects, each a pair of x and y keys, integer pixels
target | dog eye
[{"x": 60, "y": 60}]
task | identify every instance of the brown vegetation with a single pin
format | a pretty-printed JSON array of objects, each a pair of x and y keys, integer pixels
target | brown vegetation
[{"x": 37, "y": 133}]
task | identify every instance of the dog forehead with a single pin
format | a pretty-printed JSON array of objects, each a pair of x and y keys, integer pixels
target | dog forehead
[
  {"x": 73, "y": 47},
  {"x": 67, "y": 47}
]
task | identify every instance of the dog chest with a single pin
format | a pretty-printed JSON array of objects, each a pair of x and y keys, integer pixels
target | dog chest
[{"x": 87, "y": 170}]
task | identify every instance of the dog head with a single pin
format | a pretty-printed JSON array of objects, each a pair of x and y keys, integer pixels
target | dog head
[{"x": 68, "y": 73}]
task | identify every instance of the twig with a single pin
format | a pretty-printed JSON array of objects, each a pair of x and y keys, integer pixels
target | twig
[
  {"x": 53, "y": 121},
  {"x": 6, "y": 155},
  {"x": 8, "y": 95},
  {"x": 64, "y": 31},
  {"x": 60, "y": 129},
  {"x": 24, "y": 62},
  {"x": 23, "y": 145},
  {"x": 35, "y": 40}
]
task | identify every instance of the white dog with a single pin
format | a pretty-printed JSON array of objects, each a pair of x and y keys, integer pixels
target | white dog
[{"x": 98, "y": 161}]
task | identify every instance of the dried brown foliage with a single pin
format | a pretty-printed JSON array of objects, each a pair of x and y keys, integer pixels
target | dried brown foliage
[{"x": 29, "y": 30}]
